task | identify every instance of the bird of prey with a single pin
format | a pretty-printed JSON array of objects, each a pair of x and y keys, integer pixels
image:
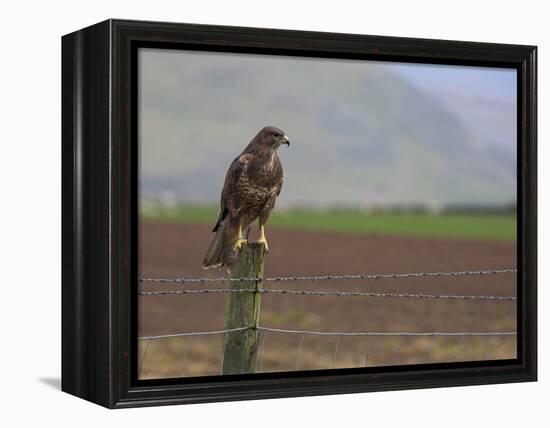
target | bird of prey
[{"x": 252, "y": 184}]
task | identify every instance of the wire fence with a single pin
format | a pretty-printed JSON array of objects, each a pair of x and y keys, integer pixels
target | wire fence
[
  {"x": 338, "y": 334},
  {"x": 363, "y": 276},
  {"x": 334, "y": 293},
  {"x": 328, "y": 333},
  {"x": 264, "y": 330}
]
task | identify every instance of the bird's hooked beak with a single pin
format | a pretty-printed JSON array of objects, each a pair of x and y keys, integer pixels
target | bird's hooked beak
[{"x": 285, "y": 140}]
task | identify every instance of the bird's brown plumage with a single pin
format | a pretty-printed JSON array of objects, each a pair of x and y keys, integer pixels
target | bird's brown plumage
[{"x": 252, "y": 184}]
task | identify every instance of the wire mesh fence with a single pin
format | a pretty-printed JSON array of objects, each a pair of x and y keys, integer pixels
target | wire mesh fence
[{"x": 264, "y": 331}]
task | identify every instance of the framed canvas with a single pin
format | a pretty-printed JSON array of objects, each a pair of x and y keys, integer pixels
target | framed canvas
[{"x": 253, "y": 213}]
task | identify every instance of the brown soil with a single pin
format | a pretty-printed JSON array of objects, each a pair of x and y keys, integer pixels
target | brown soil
[{"x": 174, "y": 250}]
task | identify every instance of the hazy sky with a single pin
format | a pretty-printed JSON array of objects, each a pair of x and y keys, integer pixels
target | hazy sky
[
  {"x": 487, "y": 82},
  {"x": 480, "y": 96}
]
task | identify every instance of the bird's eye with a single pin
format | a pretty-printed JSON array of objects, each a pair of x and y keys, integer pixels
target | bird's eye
[{"x": 277, "y": 134}]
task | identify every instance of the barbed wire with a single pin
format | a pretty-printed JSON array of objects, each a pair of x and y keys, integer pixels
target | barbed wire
[
  {"x": 329, "y": 333},
  {"x": 334, "y": 293},
  {"x": 204, "y": 280},
  {"x": 338, "y": 334}
]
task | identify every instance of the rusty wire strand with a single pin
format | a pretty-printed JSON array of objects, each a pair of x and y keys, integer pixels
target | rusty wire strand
[
  {"x": 204, "y": 280},
  {"x": 334, "y": 293}
]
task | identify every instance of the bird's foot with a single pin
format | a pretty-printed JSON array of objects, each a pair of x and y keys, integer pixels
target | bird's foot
[
  {"x": 263, "y": 241},
  {"x": 238, "y": 244}
]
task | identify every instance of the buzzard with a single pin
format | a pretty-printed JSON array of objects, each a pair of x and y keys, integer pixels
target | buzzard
[{"x": 252, "y": 184}]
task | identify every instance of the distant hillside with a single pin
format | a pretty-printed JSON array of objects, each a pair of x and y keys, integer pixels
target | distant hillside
[{"x": 359, "y": 135}]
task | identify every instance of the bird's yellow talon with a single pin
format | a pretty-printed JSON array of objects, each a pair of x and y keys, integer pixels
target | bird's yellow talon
[
  {"x": 261, "y": 239},
  {"x": 239, "y": 243},
  {"x": 264, "y": 243}
]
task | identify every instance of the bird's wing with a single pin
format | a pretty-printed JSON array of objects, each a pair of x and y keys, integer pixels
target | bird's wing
[
  {"x": 279, "y": 187},
  {"x": 234, "y": 173},
  {"x": 280, "y": 177}
]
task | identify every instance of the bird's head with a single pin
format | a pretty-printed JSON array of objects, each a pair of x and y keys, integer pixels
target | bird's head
[{"x": 273, "y": 137}]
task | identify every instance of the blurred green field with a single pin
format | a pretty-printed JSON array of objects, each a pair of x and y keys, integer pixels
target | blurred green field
[{"x": 465, "y": 226}]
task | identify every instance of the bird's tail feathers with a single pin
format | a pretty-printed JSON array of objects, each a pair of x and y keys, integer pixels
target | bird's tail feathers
[
  {"x": 220, "y": 252},
  {"x": 213, "y": 258}
]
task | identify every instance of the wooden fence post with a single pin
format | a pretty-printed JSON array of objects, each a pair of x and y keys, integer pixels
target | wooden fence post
[{"x": 243, "y": 310}]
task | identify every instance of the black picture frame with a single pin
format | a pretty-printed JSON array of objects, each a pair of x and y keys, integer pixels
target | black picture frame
[{"x": 99, "y": 213}]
